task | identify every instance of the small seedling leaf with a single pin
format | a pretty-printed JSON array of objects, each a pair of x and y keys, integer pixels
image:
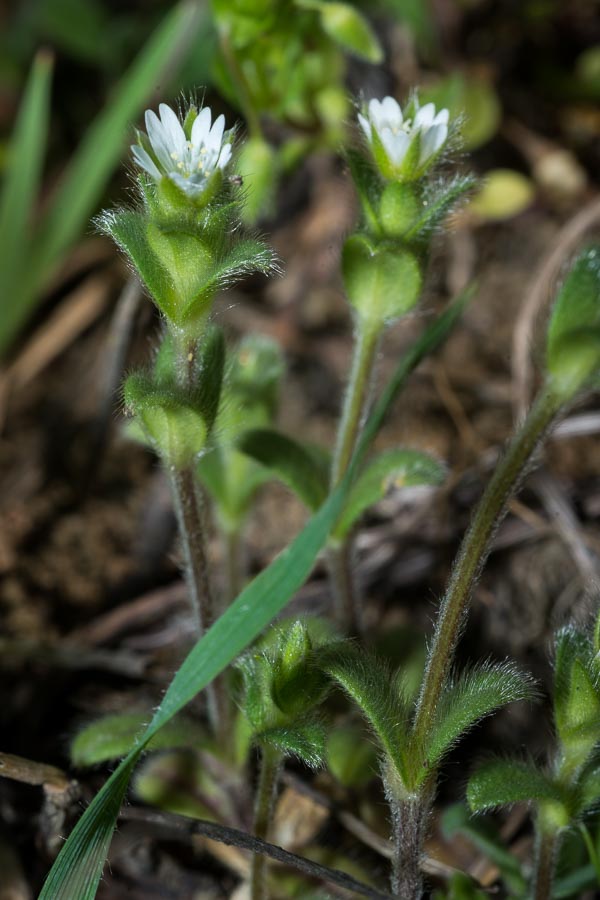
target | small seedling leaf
[
  {"x": 393, "y": 468},
  {"x": 502, "y": 782}
]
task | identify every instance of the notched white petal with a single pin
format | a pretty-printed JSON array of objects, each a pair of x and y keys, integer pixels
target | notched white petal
[
  {"x": 201, "y": 127},
  {"x": 365, "y": 125},
  {"x": 145, "y": 161},
  {"x": 425, "y": 116}
]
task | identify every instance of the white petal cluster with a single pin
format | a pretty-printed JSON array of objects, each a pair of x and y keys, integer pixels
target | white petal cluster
[
  {"x": 396, "y": 133},
  {"x": 191, "y": 163}
]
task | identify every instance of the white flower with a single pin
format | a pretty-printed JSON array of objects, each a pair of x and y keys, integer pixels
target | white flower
[
  {"x": 388, "y": 130},
  {"x": 190, "y": 164}
]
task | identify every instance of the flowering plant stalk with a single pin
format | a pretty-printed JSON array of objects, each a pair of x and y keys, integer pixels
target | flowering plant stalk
[
  {"x": 183, "y": 240},
  {"x": 383, "y": 266}
]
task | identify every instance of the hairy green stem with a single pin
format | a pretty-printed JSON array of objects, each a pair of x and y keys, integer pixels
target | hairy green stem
[
  {"x": 356, "y": 403},
  {"x": 545, "y": 860},
  {"x": 471, "y": 558},
  {"x": 188, "y": 511},
  {"x": 270, "y": 765},
  {"x": 188, "y": 503},
  {"x": 347, "y": 610}
]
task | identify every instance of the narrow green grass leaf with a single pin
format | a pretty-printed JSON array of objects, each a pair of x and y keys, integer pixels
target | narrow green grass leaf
[
  {"x": 20, "y": 186},
  {"x": 84, "y": 181},
  {"x": 78, "y": 867}
]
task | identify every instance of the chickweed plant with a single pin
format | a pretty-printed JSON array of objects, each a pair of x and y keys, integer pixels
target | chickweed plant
[{"x": 209, "y": 413}]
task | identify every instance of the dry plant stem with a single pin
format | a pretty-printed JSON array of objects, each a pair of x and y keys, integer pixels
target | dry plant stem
[
  {"x": 545, "y": 860},
  {"x": 270, "y": 764},
  {"x": 367, "y": 337},
  {"x": 471, "y": 558}
]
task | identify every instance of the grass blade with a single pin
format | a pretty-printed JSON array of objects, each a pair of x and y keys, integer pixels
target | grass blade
[
  {"x": 100, "y": 150},
  {"x": 78, "y": 868},
  {"x": 20, "y": 187}
]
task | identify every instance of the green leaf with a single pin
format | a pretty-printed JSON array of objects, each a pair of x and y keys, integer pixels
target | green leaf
[
  {"x": 292, "y": 462},
  {"x": 351, "y": 31},
  {"x": 111, "y": 737},
  {"x": 89, "y": 169},
  {"x": 20, "y": 187},
  {"x": 483, "y": 833},
  {"x": 473, "y": 696},
  {"x": 78, "y": 867},
  {"x": 573, "y": 345},
  {"x": 502, "y": 782},
  {"x": 304, "y": 741},
  {"x": 393, "y": 468},
  {"x": 367, "y": 679}
]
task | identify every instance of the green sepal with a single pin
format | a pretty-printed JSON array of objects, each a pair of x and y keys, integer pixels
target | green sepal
[
  {"x": 111, "y": 737},
  {"x": 485, "y": 835},
  {"x": 502, "y": 782},
  {"x": 301, "y": 467},
  {"x": 399, "y": 207},
  {"x": 472, "y": 697},
  {"x": 368, "y": 184},
  {"x": 350, "y": 30},
  {"x": 297, "y": 684},
  {"x": 366, "y": 679},
  {"x": 382, "y": 283},
  {"x": 393, "y": 468},
  {"x": 351, "y": 756},
  {"x": 257, "y": 703},
  {"x": 439, "y": 200},
  {"x": 304, "y": 741},
  {"x": 573, "y": 344}
]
